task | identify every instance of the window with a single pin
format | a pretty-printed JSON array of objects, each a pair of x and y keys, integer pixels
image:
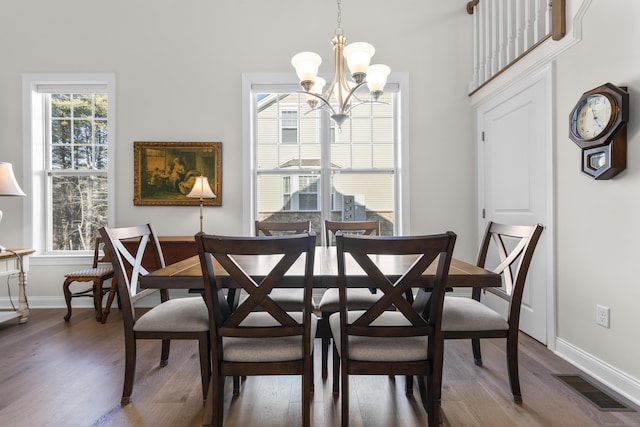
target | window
[
  {"x": 309, "y": 174},
  {"x": 70, "y": 143},
  {"x": 289, "y": 126}
]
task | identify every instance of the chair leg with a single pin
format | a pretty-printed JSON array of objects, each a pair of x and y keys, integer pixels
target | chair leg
[
  {"x": 336, "y": 371},
  {"x": 129, "y": 369},
  {"x": 344, "y": 390},
  {"x": 97, "y": 299},
  {"x": 164, "y": 354},
  {"x": 67, "y": 298},
  {"x": 325, "y": 357},
  {"x": 409, "y": 385},
  {"x": 205, "y": 363},
  {"x": 307, "y": 389},
  {"x": 512, "y": 365},
  {"x": 477, "y": 356},
  {"x": 110, "y": 297},
  {"x": 236, "y": 385}
]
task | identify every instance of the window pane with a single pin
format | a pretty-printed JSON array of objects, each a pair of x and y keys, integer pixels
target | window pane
[
  {"x": 82, "y": 104},
  {"x": 79, "y": 208},
  {"x": 60, "y": 131},
  {"x": 61, "y": 157},
  {"x": 373, "y": 196},
  {"x": 82, "y": 133},
  {"x": 287, "y": 198},
  {"x": 61, "y": 105}
]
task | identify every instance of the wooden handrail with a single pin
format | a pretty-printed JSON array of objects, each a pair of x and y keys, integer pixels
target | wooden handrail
[{"x": 471, "y": 5}]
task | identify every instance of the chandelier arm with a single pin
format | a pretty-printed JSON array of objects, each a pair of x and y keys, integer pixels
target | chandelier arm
[
  {"x": 325, "y": 102},
  {"x": 345, "y": 104}
]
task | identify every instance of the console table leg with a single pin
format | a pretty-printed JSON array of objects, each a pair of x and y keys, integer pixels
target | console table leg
[{"x": 23, "y": 308}]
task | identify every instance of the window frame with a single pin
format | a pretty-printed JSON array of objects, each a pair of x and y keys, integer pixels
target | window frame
[
  {"x": 38, "y": 209},
  {"x": 252, "y": 83}
]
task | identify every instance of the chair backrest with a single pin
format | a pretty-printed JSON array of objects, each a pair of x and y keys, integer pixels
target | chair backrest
[
  {"x": 514, "y": 246},
  {"x": 98, "y": 244},
  {"x": 269, "y": 228},
  {"x": 425, "y": 314},
  {"x": 281, "y": 254},
  {"x": 365, "y": 228},
  {"x": 127, "y": 265}
]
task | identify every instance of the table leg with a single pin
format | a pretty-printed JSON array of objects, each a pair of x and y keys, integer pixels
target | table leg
[{"x": 23, "y": 308}]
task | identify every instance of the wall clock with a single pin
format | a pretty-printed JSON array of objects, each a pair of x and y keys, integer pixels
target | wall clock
[{"x": 598, "y": 125}]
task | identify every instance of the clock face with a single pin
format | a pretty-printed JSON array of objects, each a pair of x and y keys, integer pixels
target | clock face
[{"x": 592, "y": 117}]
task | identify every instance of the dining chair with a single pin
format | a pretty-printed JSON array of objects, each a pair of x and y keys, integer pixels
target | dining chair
[
  {"x": 246, "y": 341},
  {"x": 359, "y": 298},
  {"x": 97, "y": 274},
  {"x": 406, "y": 340},
  {"x": 512, "y": 248},
  {"x": 180, "y": 318},
  {"x": 289, "y": 299}
]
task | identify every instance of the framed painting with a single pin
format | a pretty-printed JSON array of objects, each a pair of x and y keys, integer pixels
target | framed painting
[{"x": 165, "y": 172}]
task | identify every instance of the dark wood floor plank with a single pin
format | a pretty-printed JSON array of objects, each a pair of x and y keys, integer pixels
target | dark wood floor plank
[{"x": 71, "y": 373}]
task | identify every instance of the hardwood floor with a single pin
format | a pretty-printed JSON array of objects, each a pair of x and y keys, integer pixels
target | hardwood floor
[{"x": 55, "y": 373}]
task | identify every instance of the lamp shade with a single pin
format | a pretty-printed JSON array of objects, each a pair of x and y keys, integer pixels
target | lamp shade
[
  {"x": 201, "y": 189},
  {"x": 377, "y": 77},
  {"x": 8, "y": 184},
  {"x": 306, "y": 65},
  {"x": 358, "y": 56}
]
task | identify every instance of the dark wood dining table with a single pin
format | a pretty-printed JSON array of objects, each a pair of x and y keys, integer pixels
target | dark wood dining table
[{"x": 187, "y": 274}]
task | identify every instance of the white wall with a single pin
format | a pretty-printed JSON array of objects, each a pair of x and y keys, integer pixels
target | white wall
[
  {"x": 597, "y": 222},
  {"x": 179, "y": 65}
]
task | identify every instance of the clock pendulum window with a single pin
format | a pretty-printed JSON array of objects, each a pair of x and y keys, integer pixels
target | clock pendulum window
[{"x": 598, "y": 125}]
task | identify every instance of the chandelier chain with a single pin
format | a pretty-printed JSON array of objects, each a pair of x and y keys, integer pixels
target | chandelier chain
[{"x": 339, "y": 19}]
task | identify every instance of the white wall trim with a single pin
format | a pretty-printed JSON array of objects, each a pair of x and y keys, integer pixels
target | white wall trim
[{"x": 608, "y": 375}]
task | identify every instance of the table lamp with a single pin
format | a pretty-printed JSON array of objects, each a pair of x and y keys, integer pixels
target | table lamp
[
  {"x": 201, "y": 189},
  {"x": 8, "y": 186}
]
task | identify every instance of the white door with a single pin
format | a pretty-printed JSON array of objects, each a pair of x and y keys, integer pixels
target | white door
[{"x": 515, "y": 176}]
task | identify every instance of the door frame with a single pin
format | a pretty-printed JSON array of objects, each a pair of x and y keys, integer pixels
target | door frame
[{"x": 547, "y": 75}]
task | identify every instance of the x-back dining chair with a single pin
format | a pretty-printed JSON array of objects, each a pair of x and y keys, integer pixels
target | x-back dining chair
[
  {"x": 359, "y": 298},
  {"x": 514, "y": 246},
  {"x": 289, "y": 299},
  {"x": 246, "y": 341},
  {"x": 403, "y": 341},
  {"x": 181, "y": 318}
]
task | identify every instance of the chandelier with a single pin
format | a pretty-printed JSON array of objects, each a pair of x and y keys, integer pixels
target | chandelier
[{"x": 340, "y": 98}]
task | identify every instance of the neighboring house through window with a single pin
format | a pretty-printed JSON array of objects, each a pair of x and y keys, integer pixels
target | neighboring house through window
[{"x": 70, "y": 141}]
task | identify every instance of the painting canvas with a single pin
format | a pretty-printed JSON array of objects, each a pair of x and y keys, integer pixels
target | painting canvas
[{"x": 164, "y": 172}]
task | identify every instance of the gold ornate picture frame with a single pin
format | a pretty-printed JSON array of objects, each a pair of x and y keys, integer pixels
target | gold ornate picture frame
[{"x": 164, "y": 172}]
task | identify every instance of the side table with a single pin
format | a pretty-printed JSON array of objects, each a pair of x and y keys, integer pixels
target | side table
[{"x": 16, "y": 261}]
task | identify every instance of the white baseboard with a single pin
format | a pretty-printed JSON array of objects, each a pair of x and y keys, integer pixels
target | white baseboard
[{"x": 608, "y": 375}]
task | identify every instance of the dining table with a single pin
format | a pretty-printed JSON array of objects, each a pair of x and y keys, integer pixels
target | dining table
[{"x": 187, "y": 273}]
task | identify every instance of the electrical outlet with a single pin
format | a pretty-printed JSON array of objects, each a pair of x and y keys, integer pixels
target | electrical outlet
[{"x": 602, "y": 315}]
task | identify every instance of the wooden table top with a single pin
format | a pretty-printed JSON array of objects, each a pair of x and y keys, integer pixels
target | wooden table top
[
  {"x": 187, "y": 274},
  {"x": 13, "y": 253}
]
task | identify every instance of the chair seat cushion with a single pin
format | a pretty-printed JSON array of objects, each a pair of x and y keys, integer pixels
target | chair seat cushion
[
  {"x": 466, "y": 314},
  {"x": 289, "y": 299},
  {"x": 357, "y": 299},
  {"x": 91, "y": 272},
  {"x": 175, "y": 315},
  {"x": 387, "y": 349},
  {"x": 276, "y": 349}
]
